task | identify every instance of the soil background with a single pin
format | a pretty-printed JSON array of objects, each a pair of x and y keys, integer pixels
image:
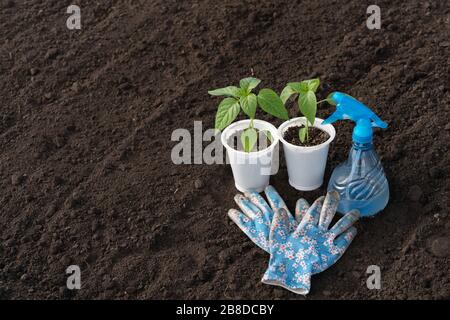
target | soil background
[{"x": 86, "y": 119}]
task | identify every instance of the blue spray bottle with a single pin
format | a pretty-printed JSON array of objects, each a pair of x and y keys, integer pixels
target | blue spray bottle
[{"x": 360, "y": 180}]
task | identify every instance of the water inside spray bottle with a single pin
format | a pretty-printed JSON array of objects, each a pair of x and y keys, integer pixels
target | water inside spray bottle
[{"x": 361, "y": 181}]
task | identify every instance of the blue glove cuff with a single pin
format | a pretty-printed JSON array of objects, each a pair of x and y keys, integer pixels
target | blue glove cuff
[{"x": 298, "y": 282}]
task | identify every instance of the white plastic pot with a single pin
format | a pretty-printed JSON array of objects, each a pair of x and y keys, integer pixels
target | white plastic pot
[
  {"x": 306, "y": 165},
  {"x": 252, "y": 170}
]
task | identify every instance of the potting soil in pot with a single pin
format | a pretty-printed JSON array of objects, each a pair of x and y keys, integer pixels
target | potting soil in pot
[
  {"x": 316, "y": 136},
  {"x": 263, "y": 142}
]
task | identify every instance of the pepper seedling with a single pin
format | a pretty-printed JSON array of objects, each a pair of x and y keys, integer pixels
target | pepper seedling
[
  {"x": 307, "y": 102},
  {"x": 242, "y": 97}
]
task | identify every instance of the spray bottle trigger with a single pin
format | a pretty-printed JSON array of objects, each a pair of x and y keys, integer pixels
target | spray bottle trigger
[
  {"x": 377, "y": 122},
  {"x": 337, "y": 115}
]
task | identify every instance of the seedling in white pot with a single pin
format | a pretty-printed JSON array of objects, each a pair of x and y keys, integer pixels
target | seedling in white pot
[
  {"x": 253, "y": 157},
  {"x": 305, "y": 140}
]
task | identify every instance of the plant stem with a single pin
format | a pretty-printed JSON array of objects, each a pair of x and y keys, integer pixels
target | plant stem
[
  {"x": 321, "y": 101},
  {"x": 307, "y": 130},
  {"x": 251, "y": 123}
]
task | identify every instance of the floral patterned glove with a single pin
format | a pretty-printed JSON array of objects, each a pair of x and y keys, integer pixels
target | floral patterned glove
[
  {"x": 295, "y": 255},
  {"x": 256, "y": 216}
]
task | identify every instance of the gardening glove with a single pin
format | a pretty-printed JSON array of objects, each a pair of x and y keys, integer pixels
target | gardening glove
[
  {"x": 294, "y": 255},
  {"x": 256, "y": 216}
]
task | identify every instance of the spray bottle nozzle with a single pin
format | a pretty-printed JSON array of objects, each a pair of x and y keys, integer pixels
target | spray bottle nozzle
[{"x": 348, "y": 107}]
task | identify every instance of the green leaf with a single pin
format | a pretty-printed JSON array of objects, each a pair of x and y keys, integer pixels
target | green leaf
[
  {"x": 271, "y": 103},
  {"x": 299, "y": 87},
  {"x": 330, "y": 100},
  {"x": 268, "y": 135},
  {"x": 249, "y": 104},
  {"x": 228, "y": 111},
  {"x": 302, "y": 134},
  {"x": 286, "y": 94},
  {"x": 295, "y": 86},
  {"x": 312, "y": 84},
  {"x": 248, "y": 139},
  {"x": 230, "y": 91},
  {"x": 248, "y": 84},
  {"x": 308, "y": 105},
  {"x": 305, "y": 85}
]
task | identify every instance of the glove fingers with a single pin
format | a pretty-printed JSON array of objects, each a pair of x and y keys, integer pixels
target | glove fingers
[
  {"x": 248, "y": 226},
  {"x": 275, "y": 200},
  {"x": 239, "y": 218},
  {"x": 301, "y": 207},
  {"x": 345, "y": 223},
  {"x": 277, "y": 203},
  {"x": 259, "y": 202},
  {"x": 330, "y": 205},
  {"x": 343, "y": 241},
  {"x": 280, "y": 228},
  {"x": 248, "y": 208},
  {"x": 313, "y": 213},
  {"x": 338, "y": 249}
]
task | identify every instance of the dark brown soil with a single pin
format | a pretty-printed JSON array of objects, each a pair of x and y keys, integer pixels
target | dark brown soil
[
  {"x": 86, "y": 119},
  {"x": 316, "y": 136}
]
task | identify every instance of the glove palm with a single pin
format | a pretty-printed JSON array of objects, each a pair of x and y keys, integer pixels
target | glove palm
[
  {"x": 311, "y": 247},
  {"x": 256, "y": 218}
]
